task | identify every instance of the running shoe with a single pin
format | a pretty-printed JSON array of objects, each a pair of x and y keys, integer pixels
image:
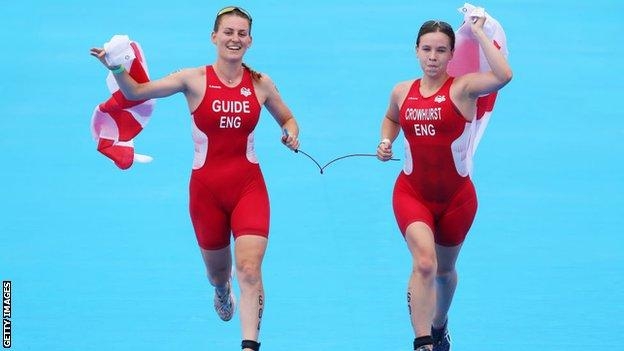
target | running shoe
[
  {"x": 441, "y": 338},
  {"x": 225, "y": 304}
]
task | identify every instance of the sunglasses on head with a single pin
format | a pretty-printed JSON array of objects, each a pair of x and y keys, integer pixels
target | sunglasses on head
[
  {"x": 440, "y": 24},
  {"x": 231, "y": 9}
]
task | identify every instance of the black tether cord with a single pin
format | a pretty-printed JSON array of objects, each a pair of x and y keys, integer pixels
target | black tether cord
[{"x": 321, "y": 168}]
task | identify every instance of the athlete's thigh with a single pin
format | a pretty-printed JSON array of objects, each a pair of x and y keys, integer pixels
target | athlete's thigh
[
  {"x": 251, "y": 215},
  {"x": 210, "y": 222},
  {"x": 409, "y": 207},
  {"x": 455, "y": 222}
]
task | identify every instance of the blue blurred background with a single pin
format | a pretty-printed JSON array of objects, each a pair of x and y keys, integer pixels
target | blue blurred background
[{"x": 103, "y": 259}]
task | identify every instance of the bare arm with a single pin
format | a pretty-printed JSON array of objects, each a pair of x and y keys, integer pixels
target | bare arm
[
  {"x": 390, "y": 126},
  {"x": 169, "y": 85},
  {"x": 278, "y": 109}
]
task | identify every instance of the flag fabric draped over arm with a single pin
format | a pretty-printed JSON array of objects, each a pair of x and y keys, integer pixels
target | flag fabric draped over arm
[
  {"x": 468, "y": 58},
  {"x": 117, "y": 121}
]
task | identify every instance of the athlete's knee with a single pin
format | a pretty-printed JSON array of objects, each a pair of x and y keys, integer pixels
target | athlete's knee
[
  {"x": 218, "y": 276},
  {"x": 446, "y": 275},
  {"x": 425, "y": 266},
  {"x": 249, "y": 273}
]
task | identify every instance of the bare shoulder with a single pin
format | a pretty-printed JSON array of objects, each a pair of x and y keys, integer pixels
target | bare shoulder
[
  {"x": 265, "y": 81},
  {"x": 190, "y": 79},
  {"x": 400, "y": 90},
  {"x": 265, "y": 88},
  {"x": 184, "y": 76},
  {"x": 462, "y": 79},
  {"x": 404, "y": 85},
  {"x": 190, "y": 73},
  {"x": 459, "y": 88}
]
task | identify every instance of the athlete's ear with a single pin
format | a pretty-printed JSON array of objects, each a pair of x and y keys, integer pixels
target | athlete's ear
[{"x": 213, "y": 38}]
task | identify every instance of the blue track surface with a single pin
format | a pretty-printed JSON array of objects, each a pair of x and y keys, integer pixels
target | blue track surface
[{"x": 102, "y": 259}]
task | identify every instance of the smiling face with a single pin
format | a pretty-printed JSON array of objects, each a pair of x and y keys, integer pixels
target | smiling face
[
  {"x": 434, "y": 51},
  {"x": 232, "y": 37}
]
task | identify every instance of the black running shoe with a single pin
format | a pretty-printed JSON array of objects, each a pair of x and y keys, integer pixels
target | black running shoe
[{"x": 441, "y": 338}]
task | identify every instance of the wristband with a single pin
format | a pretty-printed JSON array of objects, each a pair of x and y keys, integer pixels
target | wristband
[
  {"x": 385, "y": 141},
  {"x": 118, "y": 69}
]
